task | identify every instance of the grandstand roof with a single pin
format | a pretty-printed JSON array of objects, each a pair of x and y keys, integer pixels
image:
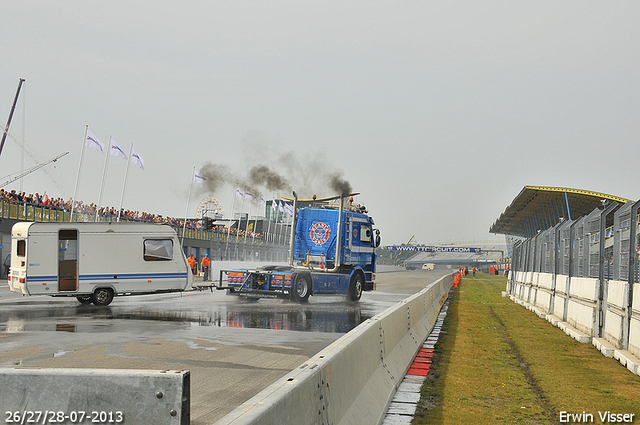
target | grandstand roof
[{"x": 539, "y": 208}]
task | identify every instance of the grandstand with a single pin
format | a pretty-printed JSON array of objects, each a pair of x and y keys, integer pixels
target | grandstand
[{"x": 538, "y": 208}]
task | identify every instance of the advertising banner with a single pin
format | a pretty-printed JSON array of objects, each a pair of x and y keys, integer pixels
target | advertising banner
[{"x": 455, "y": 249}]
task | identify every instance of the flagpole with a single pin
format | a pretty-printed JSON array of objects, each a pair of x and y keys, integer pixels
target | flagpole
[
  {"x": 281, "y": 211},
  {"x": 233, "y": 207},
  {"x": 246, "y": 229},
  {"x": 255, "y": 217},
  {"x": 269, "y": 224},
  {"x": 186, "y": 210},
  {"x": 75, "y": 190},
  {"x": 285, "y": 215},
  {"x": 124, "y": 183},
  {"x": 247, "y": 224},
  {"x": 104, "y": 173},
  {"x": 239, "y": 221},
  {"x": 277, "y": 224}
]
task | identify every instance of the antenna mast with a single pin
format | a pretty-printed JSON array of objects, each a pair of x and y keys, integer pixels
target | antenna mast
[{"x": 13, "y": 107}]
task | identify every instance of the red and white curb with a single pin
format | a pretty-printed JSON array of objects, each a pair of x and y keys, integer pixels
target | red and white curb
[{"x": 405, "y": 401}]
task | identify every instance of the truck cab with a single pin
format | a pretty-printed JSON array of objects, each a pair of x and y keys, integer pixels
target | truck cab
[{"x": 332, "y": 251}]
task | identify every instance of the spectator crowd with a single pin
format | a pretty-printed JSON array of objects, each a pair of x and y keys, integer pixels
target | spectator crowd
[{"x": 111, "y": 213}]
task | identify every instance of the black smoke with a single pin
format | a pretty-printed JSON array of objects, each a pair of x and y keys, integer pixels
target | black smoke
[
  {"x": 261, "y": 175},
  {"x": 339, "y": 185},
  {"x": 312, "y": 175},
  {"x": 216, "y": 175}
]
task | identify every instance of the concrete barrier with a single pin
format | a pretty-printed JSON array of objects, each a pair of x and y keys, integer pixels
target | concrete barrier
[
  {"x": 353, "y": 380},
  {"x": 612, "y": 324},
  {"x": 614, "y": 316},
  {"x": 544, "y": 291},
  {"x": 561, "y": 297},
  {"x": 33, "y": 395},
  {"x": 634, "y": 327},
  {"x": 630, "y": 357},
  {"x": 582, "y": 309}
]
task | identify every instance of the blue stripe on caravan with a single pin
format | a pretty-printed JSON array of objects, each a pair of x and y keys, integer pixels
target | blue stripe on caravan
[
  {"x": 111, "y": 277},
  {"x": 42, "y": 278},
  {"x": 126, "y": 276}
]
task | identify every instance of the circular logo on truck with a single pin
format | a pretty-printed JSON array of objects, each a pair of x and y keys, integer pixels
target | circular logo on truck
[{"x": 319, "y": 233}]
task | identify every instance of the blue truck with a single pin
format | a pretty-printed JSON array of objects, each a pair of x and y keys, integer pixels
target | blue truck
[{"x": 331, "y": 252}]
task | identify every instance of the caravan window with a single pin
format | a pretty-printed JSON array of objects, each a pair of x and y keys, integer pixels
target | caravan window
[
  {"x": 21, "y": 248},
  {"x": 158, "y": 249}
]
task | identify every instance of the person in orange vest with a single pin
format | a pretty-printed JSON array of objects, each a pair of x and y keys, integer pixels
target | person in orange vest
[
  {"x": 474, "y": 271},
  {"x": 192, "y": 263},
  {"x": 205, "y": 266}
]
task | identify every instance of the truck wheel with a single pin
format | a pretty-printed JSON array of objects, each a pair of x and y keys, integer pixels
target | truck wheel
[
  {"x": 302, "y": 288},
  {"x": 355, "y": 286},
  {"x": 102, "y": 296},
  {"x": 84, "y": 299}
]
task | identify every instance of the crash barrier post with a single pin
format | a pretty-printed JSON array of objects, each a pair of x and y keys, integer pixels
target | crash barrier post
[
  {"x": 34, "y": 395},
  {"x": 353, "y": 380}
]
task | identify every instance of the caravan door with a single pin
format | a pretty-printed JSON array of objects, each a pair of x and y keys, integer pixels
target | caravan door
[{"x": 68, "y": 260}]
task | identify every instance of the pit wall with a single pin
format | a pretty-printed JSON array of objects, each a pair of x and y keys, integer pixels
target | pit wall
[
  {"x": 611, "y": 323},
  {"x": 353, "y": 380}
]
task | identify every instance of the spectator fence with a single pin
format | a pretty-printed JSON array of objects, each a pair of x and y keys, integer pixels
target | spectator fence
[{"x": 583, "y": 276}]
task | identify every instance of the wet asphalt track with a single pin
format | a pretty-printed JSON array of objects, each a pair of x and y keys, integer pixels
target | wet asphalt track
[{"x": 232, "y": 347}]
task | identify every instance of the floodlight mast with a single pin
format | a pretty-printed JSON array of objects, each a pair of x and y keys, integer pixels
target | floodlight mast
[{"x": 13, "y": 108}]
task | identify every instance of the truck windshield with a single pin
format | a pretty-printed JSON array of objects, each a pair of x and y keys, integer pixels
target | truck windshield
[{"x": 158, "y": 249}]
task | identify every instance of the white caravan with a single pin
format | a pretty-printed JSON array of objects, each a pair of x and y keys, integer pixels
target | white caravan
[{"x": 96, "y": 261}]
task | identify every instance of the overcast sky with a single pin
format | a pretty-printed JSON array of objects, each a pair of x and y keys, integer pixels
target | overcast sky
[{"x": 438, "y": 113}]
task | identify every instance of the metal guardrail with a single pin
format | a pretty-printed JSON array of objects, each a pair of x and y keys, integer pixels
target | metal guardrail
[{"x": 95, "y": 396}]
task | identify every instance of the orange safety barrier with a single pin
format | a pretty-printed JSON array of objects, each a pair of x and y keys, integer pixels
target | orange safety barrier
[{"x": 456, "y": 280}]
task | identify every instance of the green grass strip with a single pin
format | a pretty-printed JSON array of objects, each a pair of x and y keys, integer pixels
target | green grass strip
[{"x": 496, "y": 362}]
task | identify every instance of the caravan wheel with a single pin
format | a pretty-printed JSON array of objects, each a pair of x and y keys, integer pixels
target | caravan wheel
[
  {"x": 102, "y": 296},
  {"x": 84, "y": 299}
]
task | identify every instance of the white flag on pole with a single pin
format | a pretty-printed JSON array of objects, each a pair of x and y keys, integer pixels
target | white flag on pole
[
  {"x": 249, "y": 196},
  {"x": 93, "y": 142},
  {"x": 239, "y": 193},
  {"x": 136, "y": 158},
  {"x": 197, "y": 178},
  {"x": 280, "y": 207},
  {"x": 289, "y": 209},
  {"x": 263, "y": 202},
  {"x": 116, "y": 150}
]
